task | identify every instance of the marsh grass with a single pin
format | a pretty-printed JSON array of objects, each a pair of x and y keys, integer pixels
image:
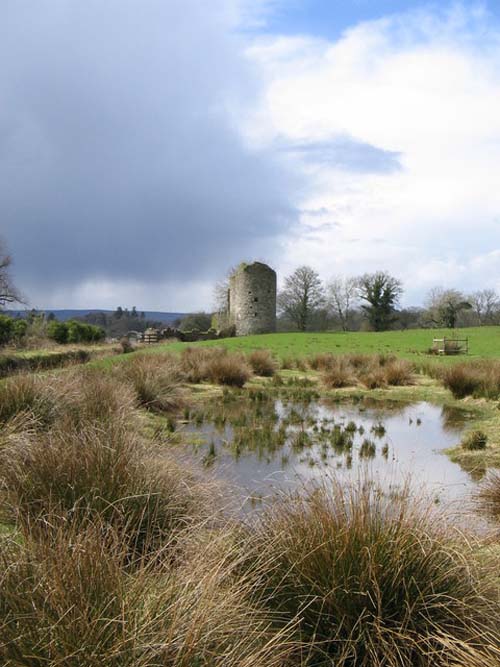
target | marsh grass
[
  {"x": 480, "y": 378},
  {"x": 474, "y": 440},
  {"x": 488, "y": 495},
  {"x": 156, "y": 381},
  {"x": 30, "y": 395},
  {"x": 262, "y": 363},
  {"x": 338, "y": 373},
  {"x": 372, "y": 371},
  {"x": 70, "y": 601},
  {"x": 215, "y": 365},
  {"x": 76, "y": 475},
  {"x": 375, "y": 581}
]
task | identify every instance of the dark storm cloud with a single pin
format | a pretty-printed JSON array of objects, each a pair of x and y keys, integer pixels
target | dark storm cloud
[
  {"x": 349, "y": 155},
  {"x": 117, "y": 156}
]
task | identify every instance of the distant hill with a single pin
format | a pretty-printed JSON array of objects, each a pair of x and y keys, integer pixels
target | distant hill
[{"x": 68, "y": 314}]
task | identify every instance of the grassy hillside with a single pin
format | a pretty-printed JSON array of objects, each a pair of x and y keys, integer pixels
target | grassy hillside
[{"x": 483, "y": 342}]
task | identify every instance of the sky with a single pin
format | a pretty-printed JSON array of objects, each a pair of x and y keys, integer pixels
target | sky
[{"x": 147, "y": 146}]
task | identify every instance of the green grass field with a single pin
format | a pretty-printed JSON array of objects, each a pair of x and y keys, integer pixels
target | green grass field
[{"x": 484, "y": 342}]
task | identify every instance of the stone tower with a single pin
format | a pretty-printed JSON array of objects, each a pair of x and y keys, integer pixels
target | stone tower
[{"x": 252, "y": 299}]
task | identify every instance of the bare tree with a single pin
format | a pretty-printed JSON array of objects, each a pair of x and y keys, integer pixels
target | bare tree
[
  {"x": 380, "y": 291},
  {"x": 445, "y": 305},
  {"x": 485, "y": 304},
  {"x": 8, "y": 292},
  {"x": 302, "y": 295},
  {"x": 341, "y": 295}
]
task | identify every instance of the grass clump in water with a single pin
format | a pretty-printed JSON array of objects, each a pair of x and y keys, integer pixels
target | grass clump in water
[{"x": 474, "y": 440}]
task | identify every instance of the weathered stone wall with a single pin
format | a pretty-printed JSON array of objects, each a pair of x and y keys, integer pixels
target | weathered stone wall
[{"x": 252, "y": 299}]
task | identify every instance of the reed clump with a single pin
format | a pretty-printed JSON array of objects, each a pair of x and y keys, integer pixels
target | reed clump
[
  {"x": 373, "y": 580},
  {"x": 71, "y": 601},
  {"x": 474, "y": 440},
  {"x": 488, "y": 495},
  {"x": 77, "y": 474},
  {"x": 215, "y": 365},
  {"x": 338, "y": 373},
  {"x": 480, "y": 379},
  {"x": 372, "y": 371},
  {"x": 156, "y": 381},
  {"x": 28, "y": 394},
  {"x": 262, "y": 363}
]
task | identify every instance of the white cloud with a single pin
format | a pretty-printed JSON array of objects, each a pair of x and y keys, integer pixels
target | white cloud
[{"x": 423, "y": 86}]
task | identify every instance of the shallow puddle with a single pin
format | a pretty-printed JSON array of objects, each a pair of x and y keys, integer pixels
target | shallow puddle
[{"x": 263, "y": 444}]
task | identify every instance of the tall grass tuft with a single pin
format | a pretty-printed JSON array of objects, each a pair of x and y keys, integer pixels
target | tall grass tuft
[
  {"x": 156, "y": 380},
  {"x": 70, "y": 601},
  {"x": 461, "y": 379},
  {"x": 78, "y": 474},
  {"x": 262, "y": 363},
  {"x": 30, "y": 395},
  {"x": 474, "y": 378},
  {"x": 338, "y": 374},
  {"x": 398, "y": 372},
  {"x": 488, "y": 495},
  {"x": 216, "y": 365},
  {"x": 231, "y": 370},
  {"x": 373, "y": 581}
]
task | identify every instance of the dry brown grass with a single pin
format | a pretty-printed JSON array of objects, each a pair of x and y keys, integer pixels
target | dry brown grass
[
  {"x": 488, "y": 495},
  {"x": 338, "y": 373},
  {"x": 398, "y": 372},
  {"x": 374, "y": 580},
  {"x": 262, "y": 363},
  {"x": 70, "y": 601},
  {"x": 371, "y": 371},
  {"x": 472, "y": 378},
  {"x": 77, "y": 474},
  {"x": 216, "y": 365},
  {"x": 156, "y": 381},
  {"x": 28, "y": 394}
]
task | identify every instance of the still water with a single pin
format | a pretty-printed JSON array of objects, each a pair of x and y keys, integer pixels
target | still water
[{"x": 277, "y": 444}]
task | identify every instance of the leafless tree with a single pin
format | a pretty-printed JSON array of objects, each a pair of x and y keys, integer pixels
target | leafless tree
[
  {"x": 486, "y": 305},
  {"x": 302, "y": 295},
  {"x": 8, "y": 292},
  {"x": 341, "y": 295},
  {"x": 444, "y": 306}
]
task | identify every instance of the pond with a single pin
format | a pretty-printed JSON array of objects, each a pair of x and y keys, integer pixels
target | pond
[{"x": 262, "y": 443}]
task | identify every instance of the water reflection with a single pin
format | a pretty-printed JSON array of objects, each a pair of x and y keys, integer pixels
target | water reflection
[{"x": 262, "y": 444}]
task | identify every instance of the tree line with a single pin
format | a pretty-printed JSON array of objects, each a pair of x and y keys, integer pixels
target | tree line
[{"x": 372, "y": 302}]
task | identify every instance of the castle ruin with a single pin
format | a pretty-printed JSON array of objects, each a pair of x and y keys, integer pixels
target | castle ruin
[{"x": 252, "y": 299}]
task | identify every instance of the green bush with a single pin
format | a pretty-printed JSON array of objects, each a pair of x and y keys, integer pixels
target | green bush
[
  {"x": 58, "y": 331},
  {"x": 5, "y": 329},
  {"x": 11, "y": 329},
  {"x": 74, "y": 332},
  {"x": 19, "y": 328}
]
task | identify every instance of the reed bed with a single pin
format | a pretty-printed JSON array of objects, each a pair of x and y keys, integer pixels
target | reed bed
[
  {"x": 372, "y": 371},
  {"x": 480, "y": 379},
  {"x": 156, "y": 381},
  {"x": 488, "y": 495}
]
